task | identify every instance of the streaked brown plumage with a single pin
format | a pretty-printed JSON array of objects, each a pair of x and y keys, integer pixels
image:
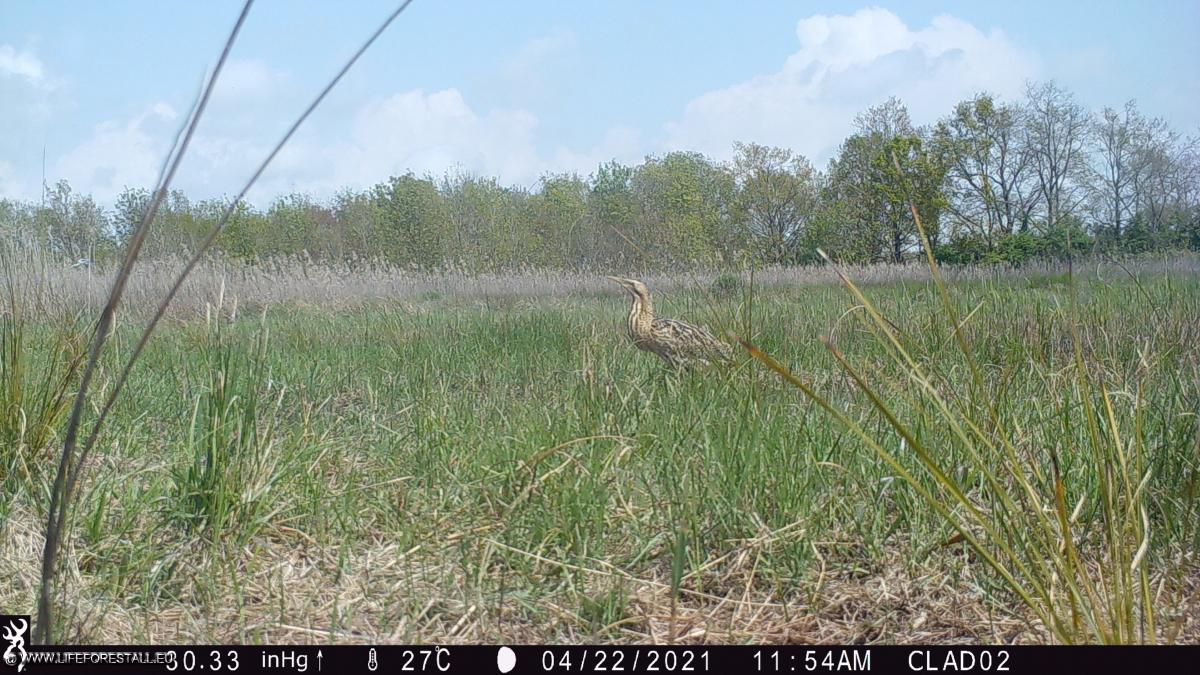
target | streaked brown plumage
[{"x": 676, "y": 342}]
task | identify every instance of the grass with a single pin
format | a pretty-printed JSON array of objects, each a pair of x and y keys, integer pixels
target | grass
[
  {"x": 224, "y": 492},
  {"x": 39, "y": 363},
  {"x": 507, "y": 468},
  {"x": 1085, "y": 580},
  {"x": 74, "y": 456}
]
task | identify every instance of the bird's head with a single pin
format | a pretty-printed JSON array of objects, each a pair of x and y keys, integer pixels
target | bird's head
[{"x": 634, "y": 286}]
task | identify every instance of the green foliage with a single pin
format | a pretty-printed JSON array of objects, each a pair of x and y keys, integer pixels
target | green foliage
[
  {"x": 486, "y": 223},
  {"x": 225, "y": 488},
  {"x": 987, "y": 167},
  {"x": 870, "y": 181},
  {"x": 727, "y": 285},
  {"x": 963, "y": 250},
  {"x": 980, "y": 175},
  {"x": 557, "y": 214},
  {"x": 245, "y": 234},
  {"x": 505, "y": 450},
  {"x": 687, "y": 208},
  {"x": 777, "y": 193},
  {"x": 1065, "y": 239},
  {"x": 20, "y": 225},
  {"x": 178, "y": 226},
  {"x": 613, "y": 210},
  {"x": 296, "y": 226},
  {"x": 73, "y": 225},
  {"x": 410, "y": 229},
  {"x": 867, "y": 179},
  {"x": 1065, "y": 527},
  {"x": 1016, "y": 249}
]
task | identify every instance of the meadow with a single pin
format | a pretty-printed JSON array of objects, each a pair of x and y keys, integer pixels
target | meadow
[{"x": 315, "y": 456}]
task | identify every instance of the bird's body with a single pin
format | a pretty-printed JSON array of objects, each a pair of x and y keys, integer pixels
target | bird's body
[{"x": 676, "y": 342}]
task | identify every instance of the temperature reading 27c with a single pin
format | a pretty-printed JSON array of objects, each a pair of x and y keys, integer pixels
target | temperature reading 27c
[{"x": 813, "y": 660}]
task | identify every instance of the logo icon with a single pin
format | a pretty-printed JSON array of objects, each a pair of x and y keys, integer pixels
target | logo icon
[{"x": 14, "y": 632}]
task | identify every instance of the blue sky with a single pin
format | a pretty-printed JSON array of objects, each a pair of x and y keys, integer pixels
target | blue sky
[{"x": 518, "y": 89}]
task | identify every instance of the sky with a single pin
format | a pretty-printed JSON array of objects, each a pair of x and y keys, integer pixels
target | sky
[{"x": 520, "y": 89}]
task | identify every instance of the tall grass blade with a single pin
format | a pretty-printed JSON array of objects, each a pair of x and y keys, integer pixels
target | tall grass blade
[{"x": 69, "y": 467}]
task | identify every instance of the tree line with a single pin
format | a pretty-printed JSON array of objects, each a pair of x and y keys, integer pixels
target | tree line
[{"x": 993, "y": 181}]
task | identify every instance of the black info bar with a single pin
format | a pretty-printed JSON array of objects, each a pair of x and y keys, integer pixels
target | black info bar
[{"x": 280, "y": 659}]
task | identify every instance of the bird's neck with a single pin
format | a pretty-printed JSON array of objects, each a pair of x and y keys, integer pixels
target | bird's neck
[{"x": 641, "y": 315}]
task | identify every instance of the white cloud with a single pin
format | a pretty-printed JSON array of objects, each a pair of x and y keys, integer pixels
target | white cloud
[
  {"x": 438, "y": 131},
  {"x": 28, "y": 98},
  {"x": 246, "y": 80},
  {"x": 418, "y": 131},
  {"x": 119, "y": 155},
  {"x": 623, "y": 144},
  {"x": 525, "y": 72},
  {"x": 430, "y": 132},
  {"x": 844, "y": 65},
  {"x": 11, "y": 187},
  {"x": 22, "y": 64}
]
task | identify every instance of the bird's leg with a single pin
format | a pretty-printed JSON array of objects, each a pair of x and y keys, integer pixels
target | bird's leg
[
  {"x": 666, "y": 375},
  {"x": 667, "y": 381},
  {"x": 652, "y": 378}
]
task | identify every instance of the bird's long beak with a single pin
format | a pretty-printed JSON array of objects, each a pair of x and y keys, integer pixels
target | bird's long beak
[{"x": 619, "y": 280}]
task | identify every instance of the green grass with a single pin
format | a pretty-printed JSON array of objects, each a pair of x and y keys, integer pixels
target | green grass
[
  {"x": 39, "y": 363},
  {"x": 449, "y": 469}
]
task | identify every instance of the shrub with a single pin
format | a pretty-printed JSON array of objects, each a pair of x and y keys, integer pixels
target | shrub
[
  {"x": 963, "y": 250},
  {"x": 726, "y": 285}
]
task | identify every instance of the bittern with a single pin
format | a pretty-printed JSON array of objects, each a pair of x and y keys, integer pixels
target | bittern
[{"x": 676, "y": 342}]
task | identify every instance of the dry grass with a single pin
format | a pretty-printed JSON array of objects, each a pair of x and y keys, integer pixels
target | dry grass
[
  {"x": 288, "y": 592},
  {"x": 252, "y": 287},
  {"x": 444, "y": 488}
]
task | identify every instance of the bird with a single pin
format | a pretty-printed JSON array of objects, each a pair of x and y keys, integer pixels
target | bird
[{"x": 676, "y": 342}]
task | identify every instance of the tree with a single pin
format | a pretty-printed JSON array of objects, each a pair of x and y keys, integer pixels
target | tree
[
  {"x": 1187, "y": 220},
  {"x": 910, "y": 176},
  {"x": 686, "y": 205},
  {"x": 296, "y": 225},
  {"x": 75, "y": 226},
  {"x": 988, "y": 189},
  {"x": 1056, "y": 130},
  {"x": 612, "y": 210},
  {"x": 1166, "y": 183},
  {"x": 885, "y": 121},
  {"x": 777, "y": 193},
  {"x": 859, "y": 209},
  {"x": 355, "y": 213},
  {"x": 243, "y": 237},
  {"x": 411, "y": 226},
  {"x": 557, "y": 212},
  {"x": 873, "y": 194},
  {"x": 485, "y": 221},
  {"x": 19, "y": 223},
  {"x": 992, "y": 181},
  {"x": 128, "y": 211},
  {"x": 178, "y": 225},
  {"x": 1118, "y": 140}
]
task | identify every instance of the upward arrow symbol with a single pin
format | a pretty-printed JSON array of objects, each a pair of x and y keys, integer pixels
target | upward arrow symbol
[{"x": 318, "y": 660}]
